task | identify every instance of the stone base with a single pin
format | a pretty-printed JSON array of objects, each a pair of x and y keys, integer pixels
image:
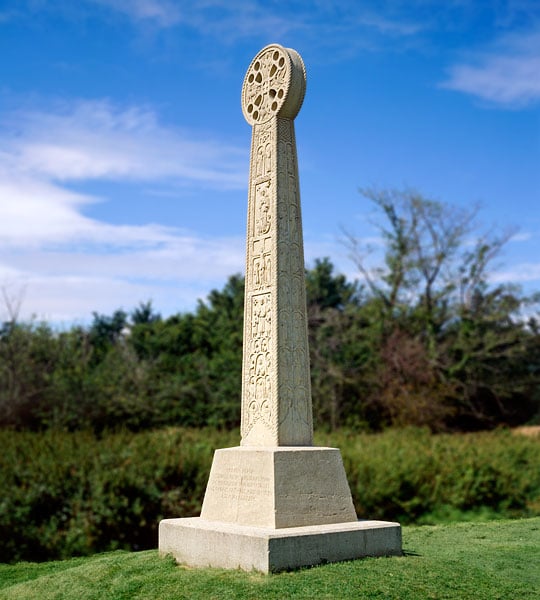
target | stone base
[
  {"x": 276, "y": 487},
  {"x": 198, "y": 542}
]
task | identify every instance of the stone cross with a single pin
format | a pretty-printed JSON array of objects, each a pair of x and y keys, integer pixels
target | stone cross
[
  {"x": 276, "y": 501},
  {"x": 276, "y": 390}
]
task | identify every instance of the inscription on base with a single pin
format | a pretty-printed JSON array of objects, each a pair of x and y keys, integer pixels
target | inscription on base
[{"x": 233, "y": 483}]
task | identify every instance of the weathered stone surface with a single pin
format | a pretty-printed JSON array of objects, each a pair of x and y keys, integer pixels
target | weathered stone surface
[
  {"x": 275, "y": 502},
  {"x": 276, "y": 389},
  {"x": 200, "y": 543},
  {"x": 278, "y": 487}
]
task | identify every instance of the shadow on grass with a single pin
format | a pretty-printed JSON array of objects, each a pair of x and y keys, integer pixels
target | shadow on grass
[{"x": 410, "y": 552}]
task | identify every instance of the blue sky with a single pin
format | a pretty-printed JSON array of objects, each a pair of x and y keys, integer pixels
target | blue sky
[{"x": 124, "y": 153}]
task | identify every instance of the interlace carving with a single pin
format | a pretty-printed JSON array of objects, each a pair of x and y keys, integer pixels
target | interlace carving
[{"x": 266, "y": 84}]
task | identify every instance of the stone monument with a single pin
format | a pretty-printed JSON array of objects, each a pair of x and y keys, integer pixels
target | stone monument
[{"x": 275, "y": 502}]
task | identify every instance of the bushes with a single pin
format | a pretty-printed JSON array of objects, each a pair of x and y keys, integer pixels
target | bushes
[
  {"x": 135, "y": 374},
  {"x": 73, "y": 494},
  {"x": 411, "y": 475},
  {"x": 373, "y": 364}
]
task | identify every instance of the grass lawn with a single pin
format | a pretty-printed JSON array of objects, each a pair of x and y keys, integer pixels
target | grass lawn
[{"x": 493, "y": 560}]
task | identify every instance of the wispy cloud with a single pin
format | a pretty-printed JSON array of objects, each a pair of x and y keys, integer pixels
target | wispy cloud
[
  {"x": 323, "y": 26},
  {"x": 524, "y": 272},
  {"x": 231, "y": 20},
  {"x": 163, "y": 13},
  {"x": 68, "y": 285},
  {"x": 391, "y": 27},
  {"x": 508, "y": 74},
  {"x": 61, "y": 256},
  {"x": 95, "y": 139},
  {"x": 33, "y": 212},
  {"x": 88, "y": 141},
  {"x": 521, "y": 236}
]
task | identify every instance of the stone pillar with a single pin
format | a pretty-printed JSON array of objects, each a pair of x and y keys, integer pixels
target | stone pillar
[
  {"x": 276, "y": 392},
  {"x": 276, "y": 501}
]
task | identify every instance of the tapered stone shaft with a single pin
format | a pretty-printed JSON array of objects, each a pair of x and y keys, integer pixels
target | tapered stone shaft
[{"x": 276, "y": 390}]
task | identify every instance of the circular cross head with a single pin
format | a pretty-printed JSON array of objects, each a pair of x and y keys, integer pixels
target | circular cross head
[{"x": 274, "y": 85}]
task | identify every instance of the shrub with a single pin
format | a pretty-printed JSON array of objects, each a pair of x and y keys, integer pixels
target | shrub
[{"x": 67, "y": 494}]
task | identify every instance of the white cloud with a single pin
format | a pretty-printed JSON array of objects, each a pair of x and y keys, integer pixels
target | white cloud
[
  {"x": 162, "y": 12},
  {"x": 508, "y": 74},
  {"x": 70, "y": 264},
  {"x": 171, "y": 268},
  {"x": 227, "y": 21},
  {"x": 69, "y": 286},
  {"x": 95, "y": 139},
  {"x": 525, "y": 272},
  {"x": 33, "y": 211},
  {"x": 179, "y": 259},
  {"x": 392, "y": 27},
  {"x": 522, "y": 236}
]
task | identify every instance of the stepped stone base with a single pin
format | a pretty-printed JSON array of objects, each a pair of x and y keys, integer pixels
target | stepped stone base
[
  {"x": 273, "y": 509},
  {"x": 200, "y": 543}
]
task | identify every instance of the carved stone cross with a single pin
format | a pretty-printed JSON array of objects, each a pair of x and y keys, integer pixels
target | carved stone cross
[
  {"x": 276, "y": 390},
  {"x": 275, "y": 502}
]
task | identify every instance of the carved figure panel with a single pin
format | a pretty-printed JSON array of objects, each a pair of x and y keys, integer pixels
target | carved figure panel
[
  {"x": 261, "y": 315},
  {"x": 263, "y": 142},
  {"x": 263, "y": 199}
]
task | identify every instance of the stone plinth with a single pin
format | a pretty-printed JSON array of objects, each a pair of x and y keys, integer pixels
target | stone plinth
[
  {"x": 278, "y": 487},
  {"x": 201, "y": 543}
]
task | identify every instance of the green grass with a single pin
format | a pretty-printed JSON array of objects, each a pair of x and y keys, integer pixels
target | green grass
[{"x": 492, "y": 560}]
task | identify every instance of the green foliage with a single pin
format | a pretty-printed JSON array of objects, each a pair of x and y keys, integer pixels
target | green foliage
[
  {"x": 412, "y": 475},
  {"x": 448, "y": 349},
  {"x": 68, "y": 494},
  {"x": 137, "y": 374},
  {"x": 325, "y": 289},
  {"x": 424, "y": 341},
  {"x": 336, "y": 350},
  {"x": 106, "y": 331},
  {"x": 72, "y": 494}
]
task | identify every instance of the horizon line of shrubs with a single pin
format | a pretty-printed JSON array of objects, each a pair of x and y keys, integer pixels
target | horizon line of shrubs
[{"x": 69, "y": 494}]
